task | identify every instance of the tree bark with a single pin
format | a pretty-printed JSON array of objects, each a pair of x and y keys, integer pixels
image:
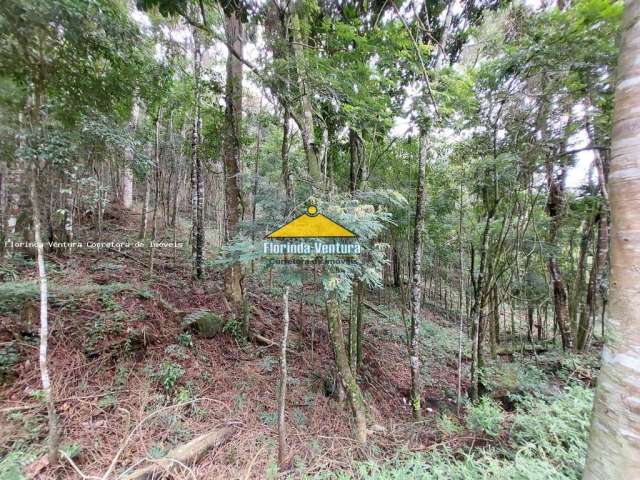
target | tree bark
[
  {"x": 614, "y": 445},
  {"x": 231, "y": 153},
  {"x": 156, "y": 193},
  {"x": 555, "y": 204},
  {"x": 416, "y": 282},
  {"x": 197, "y": 175},
  {"x": 14, "y": 195},
  {"x": 47, "y": 390},
  {"x": 345, "y": 375},
  {"x": 286, "y": 170},
  {"x": 282, "y": 390},
  {"x": 144, "y": 221},
  {"x": 127, "y": 177},
  {"x": 356, "y": 161},
  {"x": 307, "y": 124},
  {"x": 360, "y": 292},
  {"x": 578, "y": 290}
]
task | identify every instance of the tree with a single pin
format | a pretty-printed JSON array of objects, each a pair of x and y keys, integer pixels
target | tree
[
  {"x": 231, "y": 145},
  {"x": 282, "y": 385},
  {"x": 416, "y": 281},
  {"x": 614, "y": 446},
  {"x": 43, "y": 357},
  {"x": 197, "y": 174},
  {"x": 127, "y": 177}
]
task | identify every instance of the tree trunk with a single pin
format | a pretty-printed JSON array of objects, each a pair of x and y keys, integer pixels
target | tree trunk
[
  {"x": 345, "y": 375},
  {"x": 555, "y": 205},
  {"x": 614, "y": 446},
  {"x": 231, "y": 153},
  {"x": 476, "y": 310},
  {"x": 575, "y": 308},
  {"x": 529, "y": 322},
  {"x": 416, "y": 282},
  {"x": 127, "y": 177},
  {"x": 494, "y": 326},
  {"x": 352, "y": 337},
  {"x": 598, "y": 270},
  {"x": 460, "y": 293},
  {"x": 356, "y": 161},
  {"x": 197, "y": 175},
  {"x": 44, "y": 325},
  {"x": 145, "y": 208},
  {"x": 3, "y": 206},
  {"x": 395, "y": 260},
  {"x": 156, "y": 193},
  {"x": 307, "y": 125},
  {"x": 14, "y": 195},
  {"x": 360, "y": 323},
  {"x": 286, "y": 170},
  {"x": 282, "y": 391}
]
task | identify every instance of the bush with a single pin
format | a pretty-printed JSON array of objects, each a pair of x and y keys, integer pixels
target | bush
[
  {"x": 14, "y": 294},
  {"x": 168, "y": 374},
  {"x": 515, "y": 378},
  {"x": 548, "y": 442},
  {"x": 9, "y": 356},
  {"x": 557, "y": 431},
  {"x": 485, "y": 417}
]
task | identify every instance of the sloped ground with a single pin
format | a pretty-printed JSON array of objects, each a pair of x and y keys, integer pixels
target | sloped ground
[
  {"x": 121, "y": 363},
  {"x": 119, "y": 354}
]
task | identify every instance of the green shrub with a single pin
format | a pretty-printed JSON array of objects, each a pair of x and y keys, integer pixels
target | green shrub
[
  {"x": 557, "y": 431},
  {"x": 176, "y": 351},
  {"x": 514, "y": 379},
  {"x": 9, "y": 356},
  {"x": 269, "y": 418},
  {"x": 103, "y": 327},
  {"x": 185, "y": 339},
  {"x": 548, "y": 442},
  {"x": 168, "y": 374},
  {"x": 14, "y": 294},
  {"x": 448, "y": 424},
  {"x": 485, "y": 417}
]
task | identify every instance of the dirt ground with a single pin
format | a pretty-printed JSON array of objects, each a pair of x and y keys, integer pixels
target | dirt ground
[{"x": 109, "y": 396}]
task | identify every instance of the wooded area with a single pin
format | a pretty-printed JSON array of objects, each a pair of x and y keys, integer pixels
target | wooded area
[{"x": 473, "y": 313}]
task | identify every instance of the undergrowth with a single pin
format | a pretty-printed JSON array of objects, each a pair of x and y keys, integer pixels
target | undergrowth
[
  {"x": 13, "y": 295},
  {"x": 547, "y": 441}
]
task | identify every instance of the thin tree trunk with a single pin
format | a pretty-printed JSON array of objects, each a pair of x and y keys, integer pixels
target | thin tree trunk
[
  {"x": 575, "y": 308},
  {"x": 307, "y": 124},
  {"x": 127, "y": 177},
  {"x": 286, "y": 171},
  {"x": 614, "y": 446},
  {"x": 156, "y": 192},
  {"x": 345, "y": 375},
  {"x": 494, "y": 325},
  {"x": 356, "y": 161},
  {"x": 254, "y": 188},
  {"x": 416, "y": 283},
  {"x": 360, "y": 291},
  {"x": 231, "y": 145},
  {"x": 352, "y": 338},
  {"x": 555, "y": 204},
  {"x": 282, "y": 390},
  {"x": 197, "y": 175},
  {"x": 47, "y": 389},
  {"x": 3, "y": 206},
  {"x": 460, "y": 294},
  {"x": 145, "y": 208}
]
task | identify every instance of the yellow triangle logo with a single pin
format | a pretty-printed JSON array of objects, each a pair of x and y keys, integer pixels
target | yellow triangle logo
[{"x": 312, "y": 224}]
